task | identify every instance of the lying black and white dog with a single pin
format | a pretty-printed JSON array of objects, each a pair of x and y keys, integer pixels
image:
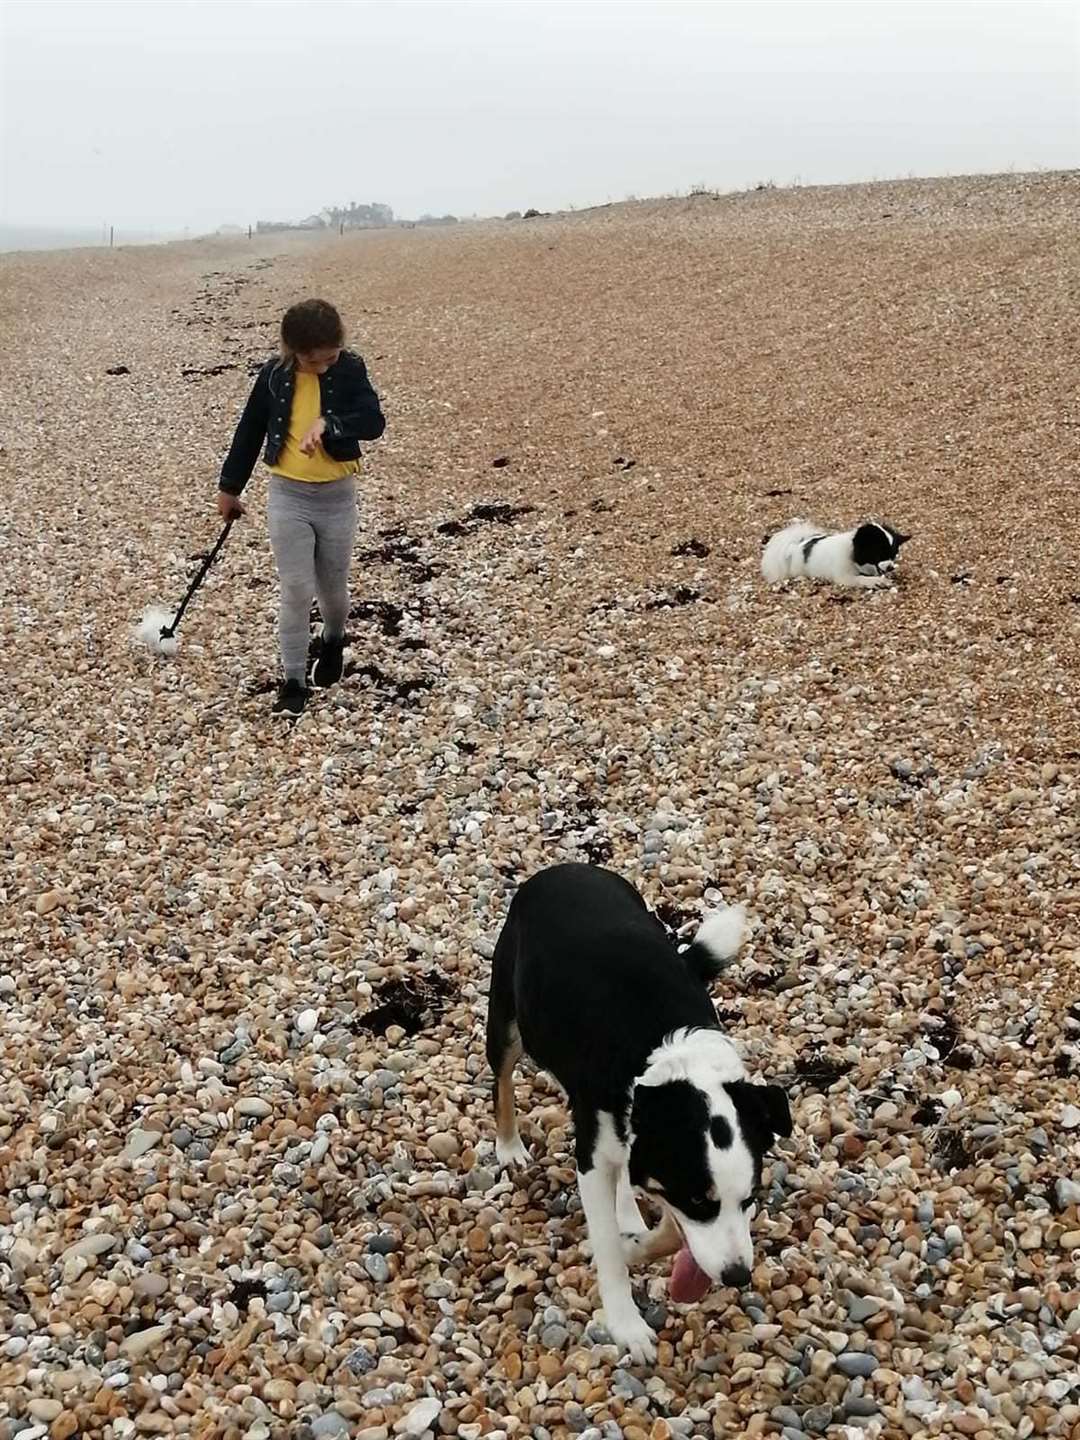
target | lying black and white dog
[
  {"x": 863, "y": 557},
  {"x": 587, "y": 983}
]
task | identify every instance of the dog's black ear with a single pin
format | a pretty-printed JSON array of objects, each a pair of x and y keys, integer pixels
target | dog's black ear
[
  {"x": 775, "y": 1102},
  {"x": 648, "y": 1102},
  {"x": 901, "y": 539},
  {"x": 763, "y": 1112},
  {"x": 647, "y": 1126}
]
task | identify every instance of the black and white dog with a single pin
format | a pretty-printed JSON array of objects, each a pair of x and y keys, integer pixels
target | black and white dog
[
  {"x": 864, "y": 557},
  {"x": 588, "y": 984}
]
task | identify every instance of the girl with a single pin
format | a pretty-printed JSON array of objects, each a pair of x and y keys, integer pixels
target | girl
[{"x": 311, "y": 405}]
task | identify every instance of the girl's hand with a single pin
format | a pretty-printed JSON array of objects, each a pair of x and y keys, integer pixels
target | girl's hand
[
  {"x": 229, "y": 507},
  {"x": 311, "y": 440}
]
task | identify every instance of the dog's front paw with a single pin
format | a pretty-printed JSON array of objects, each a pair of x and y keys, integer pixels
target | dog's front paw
[
  {"x": 632, "y": 1336},
  {"x": 511, "y": 1154}
]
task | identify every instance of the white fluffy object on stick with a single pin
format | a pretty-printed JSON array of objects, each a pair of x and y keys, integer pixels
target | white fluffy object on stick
[{"x": 148, "y": 631}]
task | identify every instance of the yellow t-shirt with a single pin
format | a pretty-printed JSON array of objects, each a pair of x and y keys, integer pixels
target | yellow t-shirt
[{"x": 292, "y": 462}]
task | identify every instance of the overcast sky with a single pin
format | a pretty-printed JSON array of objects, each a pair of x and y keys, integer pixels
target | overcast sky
[{"x": 173, "y": 113}]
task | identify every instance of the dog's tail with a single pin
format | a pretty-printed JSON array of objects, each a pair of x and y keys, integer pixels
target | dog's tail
[{"x": 718, "y": 940}]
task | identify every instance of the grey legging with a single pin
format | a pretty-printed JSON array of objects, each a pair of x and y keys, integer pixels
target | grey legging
[{"x": 312, "y": 526}]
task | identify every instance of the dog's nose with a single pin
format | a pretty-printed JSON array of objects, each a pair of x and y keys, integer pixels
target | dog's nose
[{"x": 737, "y": 1276}]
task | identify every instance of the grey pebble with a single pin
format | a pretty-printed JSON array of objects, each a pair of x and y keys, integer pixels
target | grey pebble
[
  {"x": 384, "y": 1245},
  {"x": 182, "y": 1137},
  {"x": 330, "y": 1424},
  {"x": 279, "y": 1302},
  {"x": 554, "y": 1337},
  {"x": 377, "y": 1268},
  {"x": 786, "y": 1417},
  {"x": 861, "y": 1307},
  {"x": 817, "y": 1419},
  {"x": 861, "y": 1405},
  {"x": 629, "y": 1384},
  {"x": 710, "y": 1365},
  {"x": 656, "y": 1316},
  {"x": 361, "y": 1361},
  {"x": 855, "y": 1362}
]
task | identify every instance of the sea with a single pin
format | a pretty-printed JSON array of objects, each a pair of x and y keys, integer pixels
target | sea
[{"x": 41, "y": 237}]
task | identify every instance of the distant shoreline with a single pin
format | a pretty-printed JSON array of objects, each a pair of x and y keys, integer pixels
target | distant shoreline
[
  {"x": 43, "y": 238},
  {"x": 14, "y": 238}
]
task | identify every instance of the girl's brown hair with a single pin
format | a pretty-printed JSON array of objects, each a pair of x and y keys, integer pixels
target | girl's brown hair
[{"x": 310, "y": 325}]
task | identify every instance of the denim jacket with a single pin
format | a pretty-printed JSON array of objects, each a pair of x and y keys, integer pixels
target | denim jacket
[{"x": 350, "y": 408}]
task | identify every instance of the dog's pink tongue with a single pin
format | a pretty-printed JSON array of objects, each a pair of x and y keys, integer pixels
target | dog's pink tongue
[{"x": 688, "y": 1281}]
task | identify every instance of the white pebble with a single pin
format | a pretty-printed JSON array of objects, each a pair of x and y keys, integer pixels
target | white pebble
[
  {"x": 254, "y": 1105},
  {"x": 420, "y": 1418}
]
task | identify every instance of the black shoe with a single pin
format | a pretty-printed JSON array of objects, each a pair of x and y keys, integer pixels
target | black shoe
[
  {"x": 328, "y": 666},
  {"x": 292, "y": 697}
]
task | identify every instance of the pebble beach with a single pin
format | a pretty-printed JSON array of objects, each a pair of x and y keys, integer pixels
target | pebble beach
[{"x": 249, "y": 1187}]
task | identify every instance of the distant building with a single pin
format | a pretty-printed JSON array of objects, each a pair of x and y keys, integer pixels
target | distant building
[{"x": 336, "y": 217}]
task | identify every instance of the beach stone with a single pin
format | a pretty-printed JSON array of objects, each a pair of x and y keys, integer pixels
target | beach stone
[
  {"x": 855, "y": 1362},
  {"x": 91, "y": 1246},
  {"x": 140, "y": 1142},
  {"x": 330, "y": 1423},
  {"x": 255, "y": 1106},
  {"x": 150, "y": 1286},
  {"x": 420, "y": 1417}
]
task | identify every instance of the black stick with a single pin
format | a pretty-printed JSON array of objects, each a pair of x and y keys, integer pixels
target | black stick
[{"x": 168, "y": 631}]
